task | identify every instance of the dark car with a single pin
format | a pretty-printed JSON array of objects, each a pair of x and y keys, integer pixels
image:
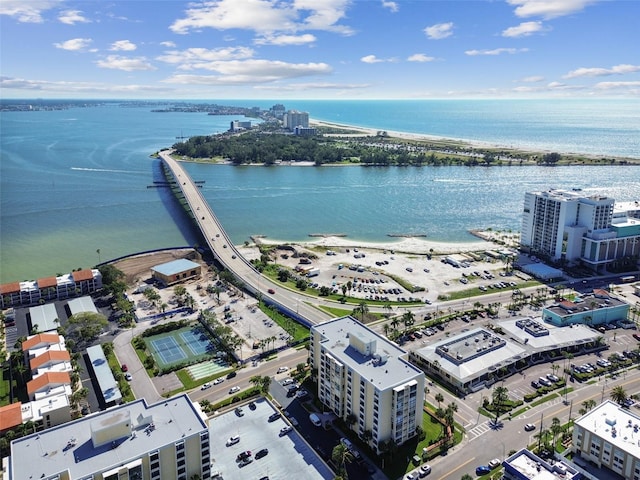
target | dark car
[
  {"x": 535, "y": 384},
  {"x": 252, "y": 406},
  {"x": 271, "y": 291},
  {"x": 239, "y": 412},
  {"x": 261, "y": 453},
  {"x": 243, "y": 455},
  {"x": 245, "y": 462},
  {"x": 273, "y": 417},
  {"x": 231, "y": 374},
  {"x": 482, "y": 470}
]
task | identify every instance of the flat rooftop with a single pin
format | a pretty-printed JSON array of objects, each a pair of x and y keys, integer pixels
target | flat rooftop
[
  {"x": 467, "y": 359},
  {"x": 385, "y": 366},
  {"x": 616, "y": 425},
  {"x": 598, "y": 300},
  {"x": 69, "y": 447},
  {"x": 532, "y": 467},
  {"x": 175, "y": 266},
  {"x": 82, "y": 304}
]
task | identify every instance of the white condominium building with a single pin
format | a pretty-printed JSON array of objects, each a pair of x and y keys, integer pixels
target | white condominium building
[
  {"x": 567, "y": 225},
  {"x": 294, "y": 118},
  {"x": 367, "y": 381},
  {"x": 168, "y": 440},
  {"x": 609, "y": 436}
]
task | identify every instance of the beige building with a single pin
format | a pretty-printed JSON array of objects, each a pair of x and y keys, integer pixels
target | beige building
[
  {"x": 176, "y": 271},
  {"x": 609, "y": 436},
  {"x": 367, "y": 381},
  {"x": 168, "y": 440}
]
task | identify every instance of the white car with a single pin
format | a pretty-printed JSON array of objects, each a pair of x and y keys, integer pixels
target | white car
[
  {"x": 529, "y": 427},
  {"x": 287, "y": 381},
  {"x": 218, "y": 381},
  {"x": 233, "y": 440},
  {"x": 233, "y": 390},
  {"x": 205, "y": 386},
  {"x": 282, "y": 369}
]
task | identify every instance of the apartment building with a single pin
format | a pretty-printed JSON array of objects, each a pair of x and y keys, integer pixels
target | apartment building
[
  {"x": 168, "y": 440},
  {"x": 294, "y": 118},
  {"x": 609, "y": 436},
  {"x": 367, "y": 381},
  {"x": 566, "y": 225}
]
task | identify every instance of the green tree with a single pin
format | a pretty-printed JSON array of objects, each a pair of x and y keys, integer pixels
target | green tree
[
  {"x": 619, "y": 394},
  {"x": 340, "y": 457},
  {"x": 499, "y": 396},
  {"x": 88, "y": 324}
]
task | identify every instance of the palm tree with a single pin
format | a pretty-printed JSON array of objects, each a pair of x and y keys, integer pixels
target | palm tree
[
  {"x": 499, "y": 396},
  {"x": 556, "y": 428},
  {"x": 394, "y": 323},
  {"x": 408, "y": 319},
  {"x": 439, "y": 398},
  {"x": 386, "y": 328},
  {"x": 340, "y": 457},
  {"x": 618, "y": 394},
  {"x": 589, "y": 404}
]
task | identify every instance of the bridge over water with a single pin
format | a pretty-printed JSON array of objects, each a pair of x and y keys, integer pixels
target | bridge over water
[{"x": 289, "y": 302}]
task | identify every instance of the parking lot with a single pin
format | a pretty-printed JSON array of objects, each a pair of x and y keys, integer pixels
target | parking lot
[{"x": 286, "y": 454}]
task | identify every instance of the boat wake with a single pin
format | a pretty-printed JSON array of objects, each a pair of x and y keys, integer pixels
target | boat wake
[{"x": 103, "y": 170}]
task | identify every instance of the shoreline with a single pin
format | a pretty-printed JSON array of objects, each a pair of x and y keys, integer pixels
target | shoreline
[{"x": 411, "y": 245}]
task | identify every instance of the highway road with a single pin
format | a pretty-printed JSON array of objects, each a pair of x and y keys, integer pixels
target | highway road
[{"x": 226, "y": 253}]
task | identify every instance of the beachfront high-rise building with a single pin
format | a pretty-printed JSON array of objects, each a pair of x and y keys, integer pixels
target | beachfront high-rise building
[
  {"x": 609, "y": 436},
  {"x": 294, "y": 118},
  {"x": 166, "y": 440},
  {"x": 566, "y": 225},
  {"x": 367, "y": 381}
]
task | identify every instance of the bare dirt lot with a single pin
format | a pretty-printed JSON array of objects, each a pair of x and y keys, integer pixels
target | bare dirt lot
[{"x": 138, "y": 268}]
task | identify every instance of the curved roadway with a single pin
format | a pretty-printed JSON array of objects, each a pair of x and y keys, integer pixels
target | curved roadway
[{"x": 227, "y": 254}]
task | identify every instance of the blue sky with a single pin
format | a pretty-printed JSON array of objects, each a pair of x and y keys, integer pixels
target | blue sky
[{"x": 315, "y": 49}]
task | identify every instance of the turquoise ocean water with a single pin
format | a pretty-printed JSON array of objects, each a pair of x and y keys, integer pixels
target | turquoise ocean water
[{"x": 74, "y": 181}]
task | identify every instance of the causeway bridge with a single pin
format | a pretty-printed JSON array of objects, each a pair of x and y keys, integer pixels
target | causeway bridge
[{"x": 291, "y": 303}]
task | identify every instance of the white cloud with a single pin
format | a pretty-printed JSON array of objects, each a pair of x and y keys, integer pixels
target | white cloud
[
  {"x": 264, "y": 16},
  {"x": 548, "y": 8},
  {"x": 238, "y": 72},
  {"x": 7, "y": 83},
  {"x": 420, "y": 57},
  {"x": 284, "y": 40},
  {"x": 439, "y": 31},
  {"x": 496, "y": 51},
  {"x": 122, "y": 45},
  {"x": 314, "y": 86},
  {"x": 196, "y": 57},
  {"x": 392, "y": 6},
  {"x": 128, "y": 64},
  {"x": 27, "y": 11},
  {"x": 616, "y": 85},
  {"x": 374, "y": 59},
  {"x": 532, "y": 79},
  {"x": 601, "y": 72},
  {"x": 74, "y": 45},
  {"x": 168, "y": 44},
  {"x": 71, "y": 17},
  {"x": 523, "y": 30}
]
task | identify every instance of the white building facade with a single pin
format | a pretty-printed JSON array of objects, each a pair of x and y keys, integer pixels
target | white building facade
[
  {"x": 609, "y": 436},
  {"x": 570, "y": 226},
  {"x": 367, "y": 381}
]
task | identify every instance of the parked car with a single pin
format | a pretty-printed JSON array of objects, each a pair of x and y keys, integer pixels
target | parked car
[
  {"x": 495, "y": 463},
  {"x": 233, "y": 440},
  {"x": 287, "y": 381},
  {"x": 424, "y": 470},
  {"x": 529, "y": 427},
  {"x": 243, "y": 455},
  {"x": 302, "y": 394},
  {"x": 535, "y": 384},
  {"x": 239, "y": 412},
  {"x": 124, "y": 367},
  {"x": 273, "y": 417},
  {"x": 285, "y": 430},
  {"x": 245, "y": 462},
  {"x": 128, "y": 377},
  {"x": 261, "y": 453},
  {"x": 482, "y": 470},
  {"x": 553, "y": 378}
]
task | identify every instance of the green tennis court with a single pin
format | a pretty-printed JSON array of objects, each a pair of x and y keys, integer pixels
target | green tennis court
[{"x": 186, "y": 345}]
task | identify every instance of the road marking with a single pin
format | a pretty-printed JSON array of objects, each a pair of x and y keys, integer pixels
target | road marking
[{"x": 448, "y": 475}]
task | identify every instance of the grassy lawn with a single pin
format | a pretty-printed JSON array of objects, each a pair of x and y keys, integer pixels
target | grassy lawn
[{"x": 123, "y": 385}]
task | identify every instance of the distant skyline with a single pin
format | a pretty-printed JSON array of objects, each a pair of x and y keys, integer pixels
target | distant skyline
[{"x": 319, "y": 49}]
